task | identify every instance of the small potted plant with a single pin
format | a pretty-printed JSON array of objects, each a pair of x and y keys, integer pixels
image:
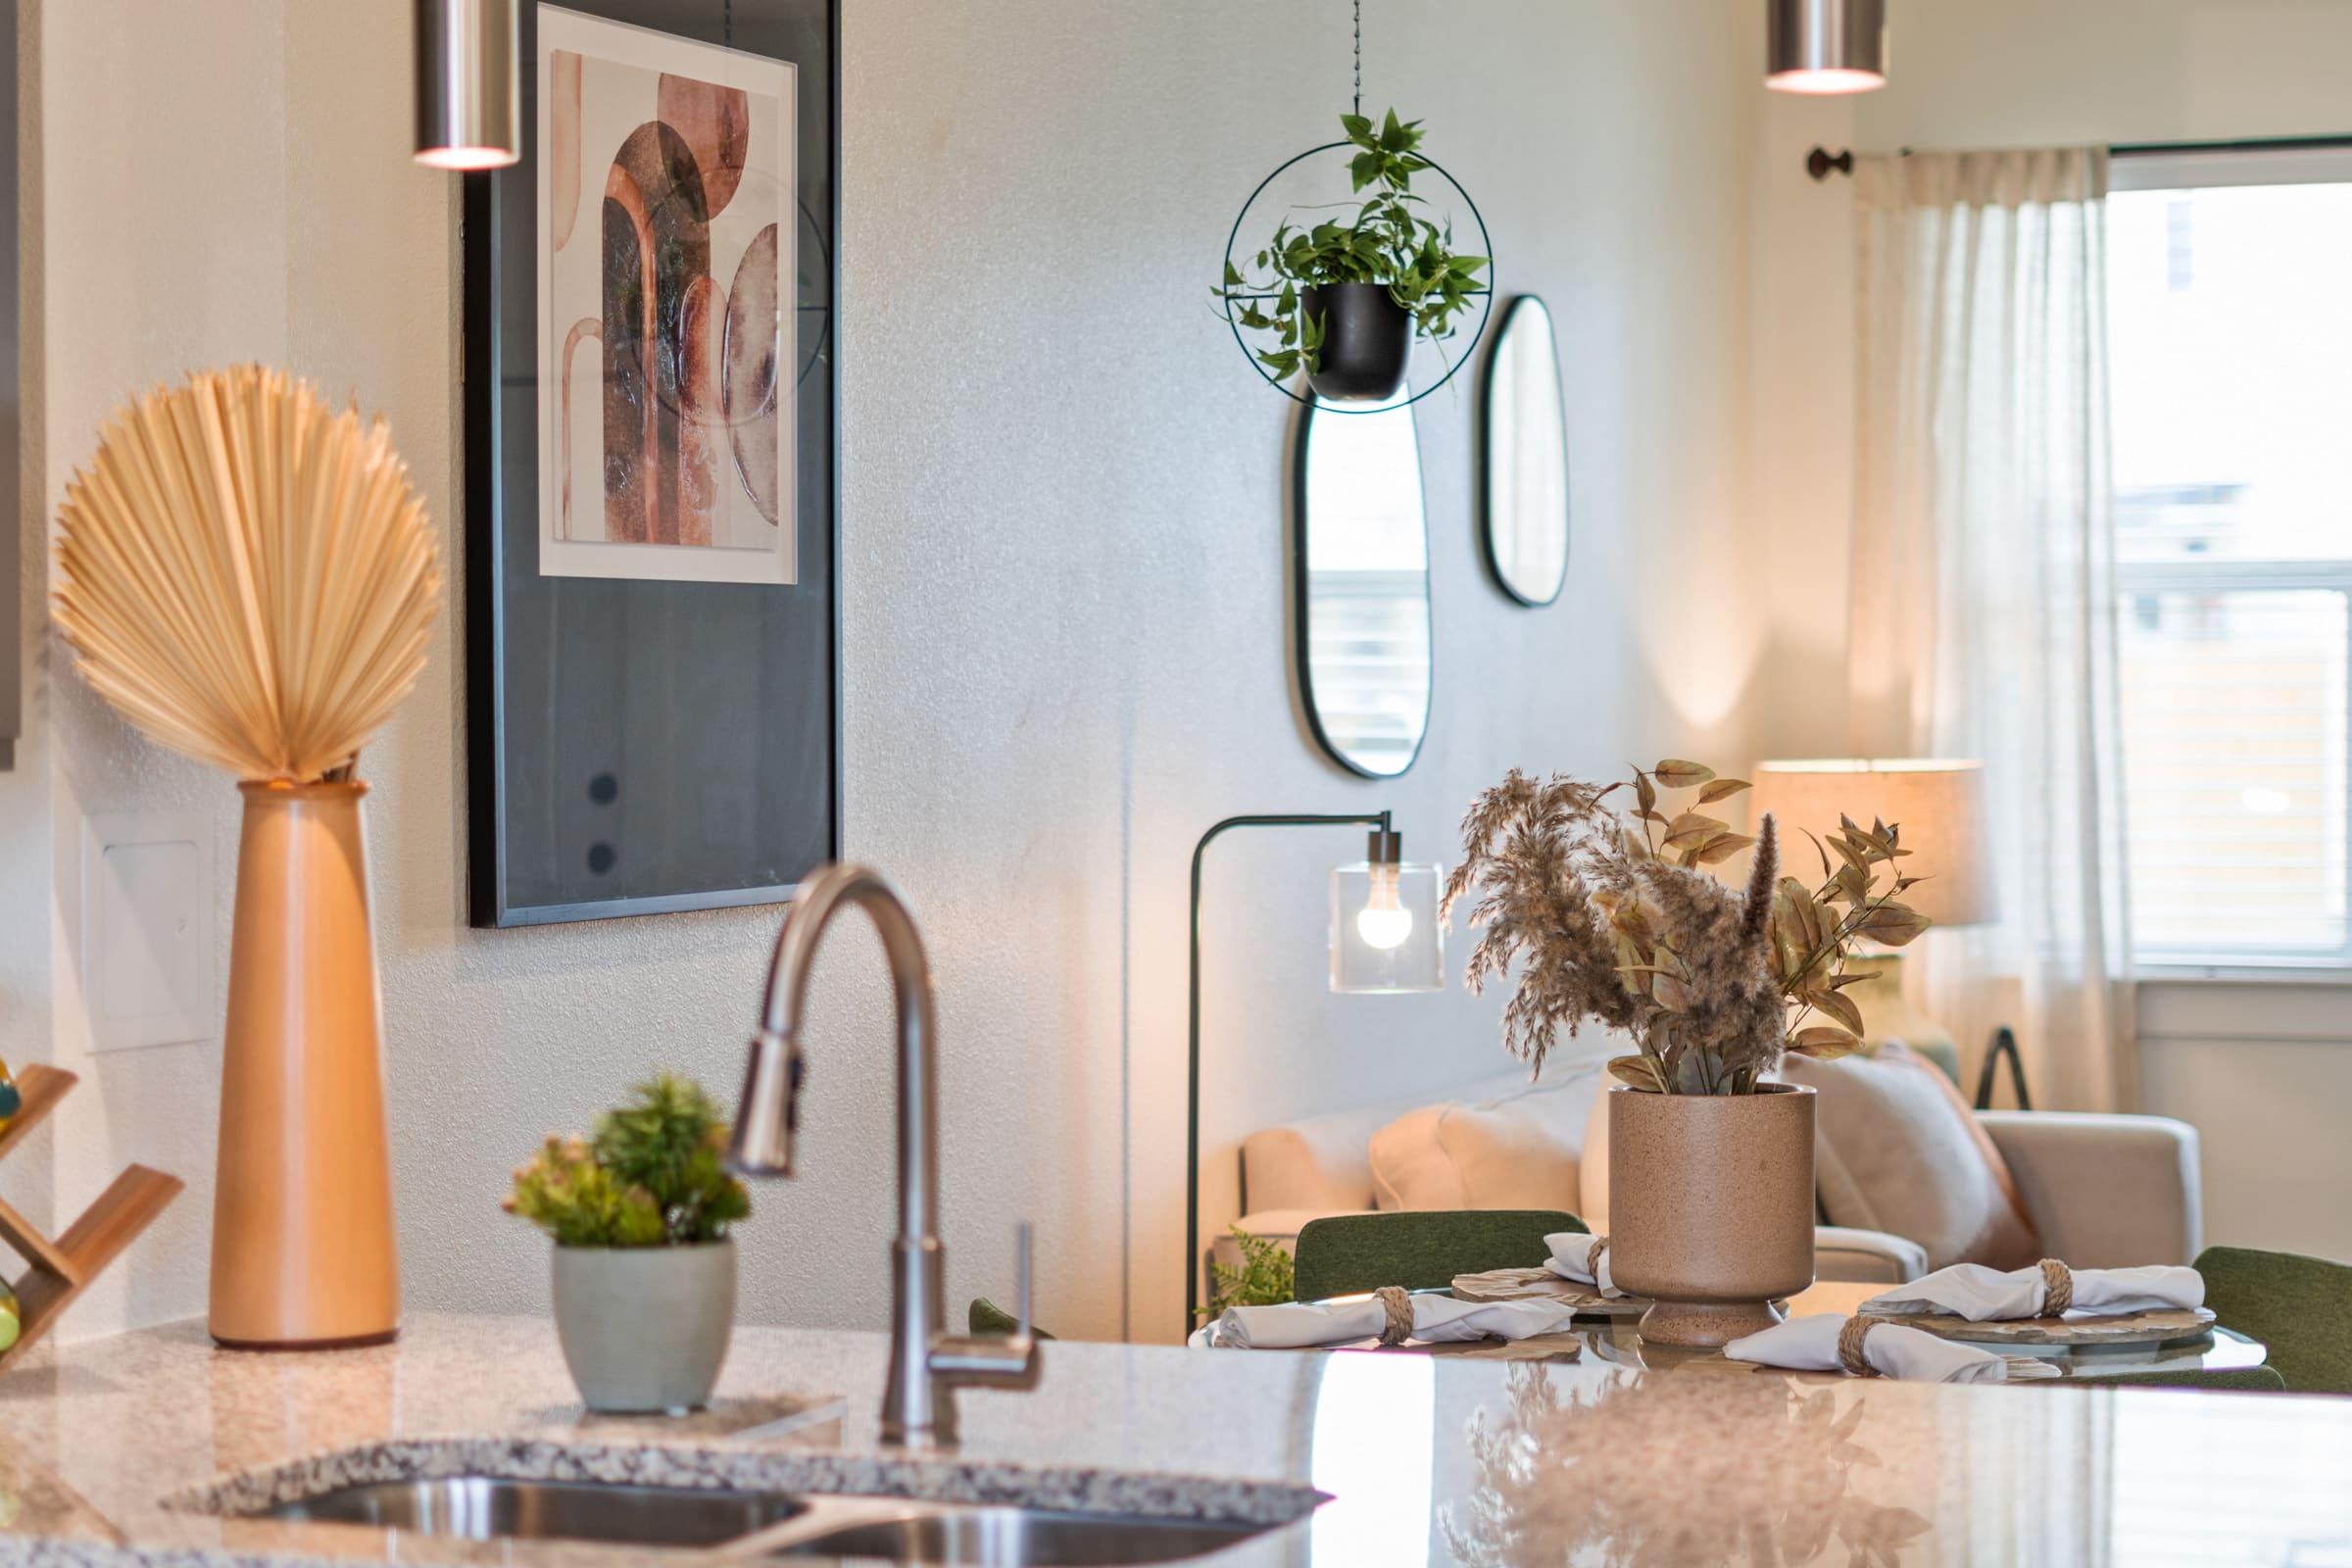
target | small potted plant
[
  {"x": 1615, "y": 919},
  {"x": 1343, "y": 299},
  {"x": 644, "y": 1269}
]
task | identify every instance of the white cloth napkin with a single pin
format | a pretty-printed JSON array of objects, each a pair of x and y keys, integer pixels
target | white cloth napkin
[
  {"x": 1569, "y": 1251},
  {"x": 1981, "y": 1294},
  {"x": 1436, "y": 1320},
  {"x": 1913, "y": 1356}
]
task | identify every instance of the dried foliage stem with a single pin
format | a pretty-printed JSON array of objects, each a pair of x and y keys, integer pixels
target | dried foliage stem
[
  {"x": 1620, "y": 922},
  {"x": 247, "y": 576}
]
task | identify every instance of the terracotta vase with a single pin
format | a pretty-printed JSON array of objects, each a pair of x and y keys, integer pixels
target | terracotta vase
[
  {"x": 1711, "y": 1207},
  {"x": 302, "y": 1249}
]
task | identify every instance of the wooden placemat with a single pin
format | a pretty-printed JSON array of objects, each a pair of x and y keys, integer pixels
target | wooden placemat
[
  {"x": 1527, "y": 1284},
  {"x": 2071, "y": 1333}
]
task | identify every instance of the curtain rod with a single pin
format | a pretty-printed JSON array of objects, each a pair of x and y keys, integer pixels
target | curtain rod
[{"x": 1821, "y": 163}]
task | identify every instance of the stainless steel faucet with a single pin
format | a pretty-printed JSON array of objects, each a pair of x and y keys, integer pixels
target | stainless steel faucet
[{"x": 926, "y": 1362}]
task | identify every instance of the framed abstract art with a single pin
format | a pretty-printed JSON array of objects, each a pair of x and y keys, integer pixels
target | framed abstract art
[{"x": 652, "y": 453}]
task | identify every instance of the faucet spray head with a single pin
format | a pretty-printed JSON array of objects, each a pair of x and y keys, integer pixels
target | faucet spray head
[{"x": 769, "y": 1111}]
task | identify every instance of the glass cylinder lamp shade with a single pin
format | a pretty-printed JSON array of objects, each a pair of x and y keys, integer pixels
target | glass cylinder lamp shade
[
  {"x": 1826, "y": 46},
  {"x": 1385, "y": 932}
]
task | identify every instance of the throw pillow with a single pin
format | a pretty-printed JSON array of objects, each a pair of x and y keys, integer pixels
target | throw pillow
[
  {"x": 1471, "y": 1157},
  {"x": 1896, "y": 1149}
]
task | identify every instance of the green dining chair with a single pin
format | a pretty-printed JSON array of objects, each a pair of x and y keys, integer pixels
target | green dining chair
[
  {"x": 2247, "y": 1379},
  {"x": 989, "y": 1320},
  {"x": 2300, "y": 1307},
  {"x": 1420, "y": 1250}
]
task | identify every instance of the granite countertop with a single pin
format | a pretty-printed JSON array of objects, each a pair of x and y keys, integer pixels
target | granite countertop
[{"x": 104, "y": 1446}]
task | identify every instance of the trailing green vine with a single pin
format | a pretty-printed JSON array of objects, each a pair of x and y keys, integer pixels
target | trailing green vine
[{"x": 1386, "y": 241}]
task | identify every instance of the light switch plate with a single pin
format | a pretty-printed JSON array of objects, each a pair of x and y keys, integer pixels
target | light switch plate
[{"x": 147, "y": 949}]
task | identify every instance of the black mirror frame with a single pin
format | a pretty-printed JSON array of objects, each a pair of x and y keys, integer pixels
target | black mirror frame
[
  {"x": 1486, "y": 459},
  {"x": 1300, "y": 609}
]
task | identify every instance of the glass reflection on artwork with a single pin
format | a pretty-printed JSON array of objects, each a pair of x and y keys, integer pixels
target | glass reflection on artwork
[
  {"x": 1526, "y": 457},
  {"x": 664, "y": 197},
  {"x": 1365, "y": 602}
]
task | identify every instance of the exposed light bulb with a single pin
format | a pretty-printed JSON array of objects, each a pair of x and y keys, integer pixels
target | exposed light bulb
[{"x": 1383, "y": 922}]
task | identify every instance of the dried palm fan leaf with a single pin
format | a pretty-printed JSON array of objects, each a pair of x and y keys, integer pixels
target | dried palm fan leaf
[{"x": 248, "y": 575}]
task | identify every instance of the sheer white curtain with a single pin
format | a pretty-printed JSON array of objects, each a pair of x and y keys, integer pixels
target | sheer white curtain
[{"x": 1984, "y": 609}]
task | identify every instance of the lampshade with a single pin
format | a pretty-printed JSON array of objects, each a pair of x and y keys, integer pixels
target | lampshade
[
  {"x": 468, "y": 92},
  {"x": 1940, "y": 806},
  {"x": 1826, "y": 46},
  {"x": 1386, "y": 936}
]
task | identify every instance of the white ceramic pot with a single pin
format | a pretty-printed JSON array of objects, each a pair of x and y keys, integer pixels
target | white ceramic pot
[{"x": 645, "y": 1328}]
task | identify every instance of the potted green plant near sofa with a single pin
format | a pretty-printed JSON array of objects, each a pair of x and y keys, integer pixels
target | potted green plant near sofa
[
  {"x": 644, "y": 1267},
  {"x": 1344, "y": 297},
  {"x": 1613, "y": 917}
]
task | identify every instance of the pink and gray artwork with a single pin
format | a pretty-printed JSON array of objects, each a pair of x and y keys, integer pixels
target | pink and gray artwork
[{"x": 665, "y": 188}]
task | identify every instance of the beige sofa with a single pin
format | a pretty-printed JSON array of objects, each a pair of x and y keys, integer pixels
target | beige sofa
[{"x": 2102, "y": 1190}]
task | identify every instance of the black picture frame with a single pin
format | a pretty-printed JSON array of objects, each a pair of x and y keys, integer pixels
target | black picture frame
[{"x": 709, "y": 725}]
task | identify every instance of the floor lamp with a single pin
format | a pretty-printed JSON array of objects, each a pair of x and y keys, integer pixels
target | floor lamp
[{"x": 1386, "y": 938}]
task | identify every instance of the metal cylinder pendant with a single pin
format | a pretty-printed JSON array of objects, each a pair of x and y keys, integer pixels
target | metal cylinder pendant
[
  {"x": 468, "y": 90},
  {"x": 1827, "y": 46}
]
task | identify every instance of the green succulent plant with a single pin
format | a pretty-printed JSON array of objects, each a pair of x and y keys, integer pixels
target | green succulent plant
[
  {"x": 653, "y": 1174},
  {"x": 1386, "y": 241}
]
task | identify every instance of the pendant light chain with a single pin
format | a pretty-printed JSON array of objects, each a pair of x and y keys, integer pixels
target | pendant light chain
[{"x": 1359, "y": 58}]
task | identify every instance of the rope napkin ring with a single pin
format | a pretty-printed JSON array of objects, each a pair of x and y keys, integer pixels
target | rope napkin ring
[
  {"x": 2057, "y": 1286},
  {"x": 1849, "y": 1346},
  {"x": 1594, "y": 1254},
  {"x": 1399, "y": 1308}
]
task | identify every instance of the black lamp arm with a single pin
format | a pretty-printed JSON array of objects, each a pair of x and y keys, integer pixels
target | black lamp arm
[{"x": 1385, "y": 845}]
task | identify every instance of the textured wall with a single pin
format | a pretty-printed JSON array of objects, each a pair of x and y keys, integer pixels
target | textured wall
[{"x": 1063, "y": 564}]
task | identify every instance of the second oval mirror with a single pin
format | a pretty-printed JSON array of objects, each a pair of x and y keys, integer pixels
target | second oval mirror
[
  {"x": 1362, "y": 583},
  {"x": 1525, "y": 461}
]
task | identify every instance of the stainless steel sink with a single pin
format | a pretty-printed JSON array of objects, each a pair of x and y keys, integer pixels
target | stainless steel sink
[
  {"x": 489, "y": 1507},
  {"x": 748, "y": 1525},
  {"x": 999, "y": 1537}
]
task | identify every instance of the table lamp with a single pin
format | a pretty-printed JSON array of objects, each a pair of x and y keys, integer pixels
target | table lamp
[
  {"x": 1940, "y": 806},
  {"x": 1386, "y": 939}
]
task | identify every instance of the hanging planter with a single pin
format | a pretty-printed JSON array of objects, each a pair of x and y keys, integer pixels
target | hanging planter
[
  {"x": 1343, "y": 299},
  {"x": 1364, "y": 338}
]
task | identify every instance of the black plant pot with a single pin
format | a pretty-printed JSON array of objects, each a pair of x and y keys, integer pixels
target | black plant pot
[{"x": 1367, "y": 337}]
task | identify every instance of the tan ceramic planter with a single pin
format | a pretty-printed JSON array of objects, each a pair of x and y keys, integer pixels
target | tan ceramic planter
[{"x": 1711, "y": 1207}]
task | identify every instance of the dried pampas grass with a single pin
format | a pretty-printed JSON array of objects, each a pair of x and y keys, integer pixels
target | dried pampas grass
[{"x": 248, "y": 575}]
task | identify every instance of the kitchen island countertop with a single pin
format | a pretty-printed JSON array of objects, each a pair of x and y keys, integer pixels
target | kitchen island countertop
[{"x": 110, "y": 1451}]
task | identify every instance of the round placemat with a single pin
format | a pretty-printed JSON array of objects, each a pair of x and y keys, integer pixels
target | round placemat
[{"x": 2170, "y": 1327}]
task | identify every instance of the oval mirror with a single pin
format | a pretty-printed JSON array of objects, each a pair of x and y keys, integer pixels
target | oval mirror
[
  {"x": 1524, "y": 462},
  {"x": 1362, "y": 582}
]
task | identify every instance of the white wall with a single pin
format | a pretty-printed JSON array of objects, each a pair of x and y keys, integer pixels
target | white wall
[
  {"x": 2259, "y": 1068},
  {"x": 1064, "y": 643}
]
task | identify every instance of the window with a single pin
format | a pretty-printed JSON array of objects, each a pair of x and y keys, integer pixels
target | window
[{"x": 2230, "y": 320}]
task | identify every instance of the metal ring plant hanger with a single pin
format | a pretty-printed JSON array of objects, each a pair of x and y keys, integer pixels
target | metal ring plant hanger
[{"x": 1486, "y": 248}]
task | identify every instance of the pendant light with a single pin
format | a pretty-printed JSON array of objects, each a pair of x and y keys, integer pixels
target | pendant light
[
  {"x": 466, "y": 88},
  {"x": 1827, "y": 46}
]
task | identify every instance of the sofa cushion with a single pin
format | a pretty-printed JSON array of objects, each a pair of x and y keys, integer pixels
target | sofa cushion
[
  {"x": 1323, "y": 1162},
  {"x": 1895, "y": 1149},
  {"x": 1592, "y": 1174},
  {"x": 1451, "y": 1156}
]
